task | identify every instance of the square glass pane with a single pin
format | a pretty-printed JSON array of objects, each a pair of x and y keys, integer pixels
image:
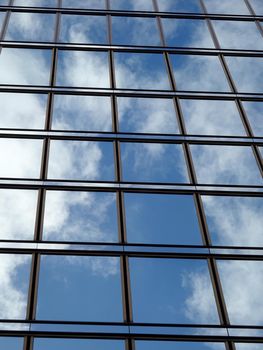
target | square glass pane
[
  {"x": 211, "y": 117},
  {"x": 78, "y": 344},
  {"x": 141, "y": 71},
  {"x": 254, "y": 111},
  {"x": 172, "y": 291},
  {"x": 20, "y": 158},
  {"x": 14, "y": 67},
  {"x": 187, "y": 33},
  {"x": 178, "y": 345},
  {"x": 145, "y": 115},
  {"x": 225, "y": 165},
  {"x": 11, "y": 343},
  {"x": 247, "y": 73},
  {"x": 257, "y": 6},
  {"x": 17, "y": 214},
  {"x": 84, "y": 4},
  {"x": 83, "y": 68},
  {"x": 248, "y": 346},
  {"x": 131, "y": 5},
  {"x": 153, "y": 162},
  {"x": 81, "y": 160},
  {"x": 22, "y": 111},
  {"x": 36, "y": 3},
  {"x": 199, "y": 73},
  {"x": 83, "y": 29},
  {"x": 135, "y": 31},
  {"x": 28, "y": 26},
  {"x": 14, "y": 275},
  {"x": 234, "y": 221},
  {"x": 91, "y": 284},
  {"x": 161, "y": 219},
  {"x": 179, "y": 5},
  {"x": 82, "y": 113},
  {"x": 238, "y": 35},
  {"x": 236, "y": 7},
  {"x": 80, "y": 216},
  {"x": 242, "y": 283}
]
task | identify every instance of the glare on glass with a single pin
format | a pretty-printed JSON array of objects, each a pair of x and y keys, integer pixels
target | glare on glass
[
  {"x": 186, "y": 33},
  {"x": 29, "y": 26},
  {"x": 234, "y": 221},
  {"x": 83, "y": 68},
  {"x": 178, "y": 345},
  {"x": 79, "y": 344},
  {"x": 254, "y": 111},
  {"x": 82, "y": 113},
  {"x": 141, "y": 71},
  {"x": 135, "y": 31},
  {"x": 242, "y": 283},
  {"x": 80, "y": 216},
  {"x": 161, "y": 219},
  {"x": 199, "y": 73},
  {"x": 237, "y": 7},
  {"x": 147, "y": 115},
  {"x": 11, "y": 343},
  {"x": 172, "y": 291},
  {"x": 20, "y": 158},
  {"x": 257, "y": 6},
  {"x": 36, "y": 3},
  {"x": 153, "y": 162},
  {"x": 179, "y": 6},
  {"x": 81, "y": 160},
  {"x": 14, "y": 272},
  {"x": 131, "y": 5},
  {"x": 212, "y": 117},
  {"x": 83, "y": 29},
  {"x": 14, "y": 67},
  {"x": 84, "y": 288},
  {"x": 84, "y": 4},
  {"x": 225, "y": 165},
  {"x": 22, "y": 111},
  {"x": 17, "y": 213}
]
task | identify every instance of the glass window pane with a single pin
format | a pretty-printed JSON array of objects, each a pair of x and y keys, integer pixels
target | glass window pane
[
  {"x": 91, "y": 284},
  {"x": 82, "y": 113},
  {"x": 80, "y": 216},
  {"x": 20, "y": 158},
  {"x": 237, "y": 7},
  {"x": 248, "y": 346},
  {"x": 161, "y": 219},
  {"x": 234, "y": 221},
  {"x": 81, "y": 160},
  {"x": 11, "y": 343},
  {"x": 141, "y": 71},
  {"x": 187, "y": 33},
  {"x": 14, "y": 67},
  {"x": 238, "y": 35},
  {"x": 177, "y": 345},
  {"x": 29, "y": 27},
  {"x": 199, "y": 73},
  {"x": 36, "y": 3},
  {"x": 242, "y": 284},
  {"x": 4, "y": 2},
  {"x": 83, "y": 29},
  {"x": 84, "y": 4},
  {"x": 254, "y": 112},
  {"x": 179, "y": 5},
  {"x": 22, "y": 111},
  {"x": 131, "y": 5},
  {"x": 2, "y": 16},
  {"x": 135, "y": 31},
  {"x": 211, "y": 117},
  {"x": 78, "y": 344},
  {"x": 17, "y": 213},
  {"x": 153, "y": 162},
  {"x": 145, "y": 115},
  {"x": 14, "y": 275},
  {"x": 173, "y": 291},
  {"x": 83, "y": 68},
  {"x": 257, "y": 6},
  {"x": 227, "y": 165},
  {"x": 247, "y": 73}
]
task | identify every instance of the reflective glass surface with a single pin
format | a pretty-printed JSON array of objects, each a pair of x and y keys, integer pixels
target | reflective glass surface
[
  {"x": 131, "y": 5},
  {"x": 254, "y": 112},
  {"x": 257, "y": 6},
  {"x": 79, "y": 344},
  {"x": 91, "y": 284},
  {"x": 170, "y": 345},
  {"x": 227, "y": 7},
  {"x": 172, "y": 291},
  {"x": 179, "y": 5},
  {"x": 80, "y": 216},
  {"x": 244, "y": 346},
  {"x": 4, "y": 2},
  {"x": 84, "y": 4},
  {"x": 2, "y": 16},
  {"x": 161, "y": 219},
  {"x": 11, "y": 343},
  {"x": 36, "y": 3}
]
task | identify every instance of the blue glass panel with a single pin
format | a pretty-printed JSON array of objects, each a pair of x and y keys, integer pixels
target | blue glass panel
[
  {"x": 237, "y": 7},
  {"x": 36, "y": 3},
  {"x": 254, "y": 112},
  {"x": 179, "y": 5},
  {"x": 169, "y": 345},
  {"x": 163, "y": 219},
  {"x": 249, "y": 346},
  {"x": 84, "y": 4},
  {"x": 131, "y": 5},
  {"x": 144, "y": 115},
  {"x": 257, "y": 6},
  {"x": 78, "y": 344},
  {"x": 172, "y": 291},
  {"x": 79, "y": 289},
  {"x": 11, "y": 343},
  {"x": 148, "y": 162}
]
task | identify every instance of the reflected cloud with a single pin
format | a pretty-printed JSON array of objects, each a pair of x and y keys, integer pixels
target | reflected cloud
[
  {"x": 131, "y": 5},
  {"x": 179, "y": 5},
  {"x": 227, "y": 7}
]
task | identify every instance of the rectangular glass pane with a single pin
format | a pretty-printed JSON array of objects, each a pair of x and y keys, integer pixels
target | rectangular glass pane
[
  {"x": 81, "y": 160},
  {"x": 173, "y": 291},
  {"x": 11, "y": 343},
  {"x": 161, "y": 219},
  {"x": 257, "y": 6},
  {"x": 4, "y": 2},
  {"x": 153, "y": 162},
  {"x": 83, "y": 288},
  {"x": 36, "y": 3},
  {"x": 237, "y": 7},
  {"x": 248, "y": 346},
  {"x": 131, "y": 5},
  {"x": 80, "y": 216},
  {"x": 2, "y": 17},
  {"x": 82, "y": 113},
  {"x": 178, "y": 345},
  {"x": 254, "y": 111},
  {"x": 179, "y": 5},
  {"x": 84, "y": 4},
  {"x": 145, "y": 115},
  {"x": 78, "y": 344}
]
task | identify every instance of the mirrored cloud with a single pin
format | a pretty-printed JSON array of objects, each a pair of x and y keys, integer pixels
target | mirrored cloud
[
  {"x": 237, "y": 7},
  {"x": 179, "y": 5},
  {"x": 131, "y": 5},
  {"x": 254, "y": 112}
]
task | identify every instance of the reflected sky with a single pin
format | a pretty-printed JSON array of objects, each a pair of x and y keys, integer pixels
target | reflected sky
[
  {"x": 11, "y": 343},
  {"x": 36, "y": 3},
  {"x": 227, "y": 7},
  {"x": 87, "y": 4},
  {"x": 131, "y": 5},
  {"x": 79, "y": 344},
  {"x": 243, "y": 346},
  {"x": 254, "y": 112},
  {"x": 169, "y": 345},
  {"x": 257, "y": 6},
  {"x": 179, "y": 5}
]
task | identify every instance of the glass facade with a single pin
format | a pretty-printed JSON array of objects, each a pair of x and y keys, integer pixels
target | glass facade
[{"x": 131, "y": 189}]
